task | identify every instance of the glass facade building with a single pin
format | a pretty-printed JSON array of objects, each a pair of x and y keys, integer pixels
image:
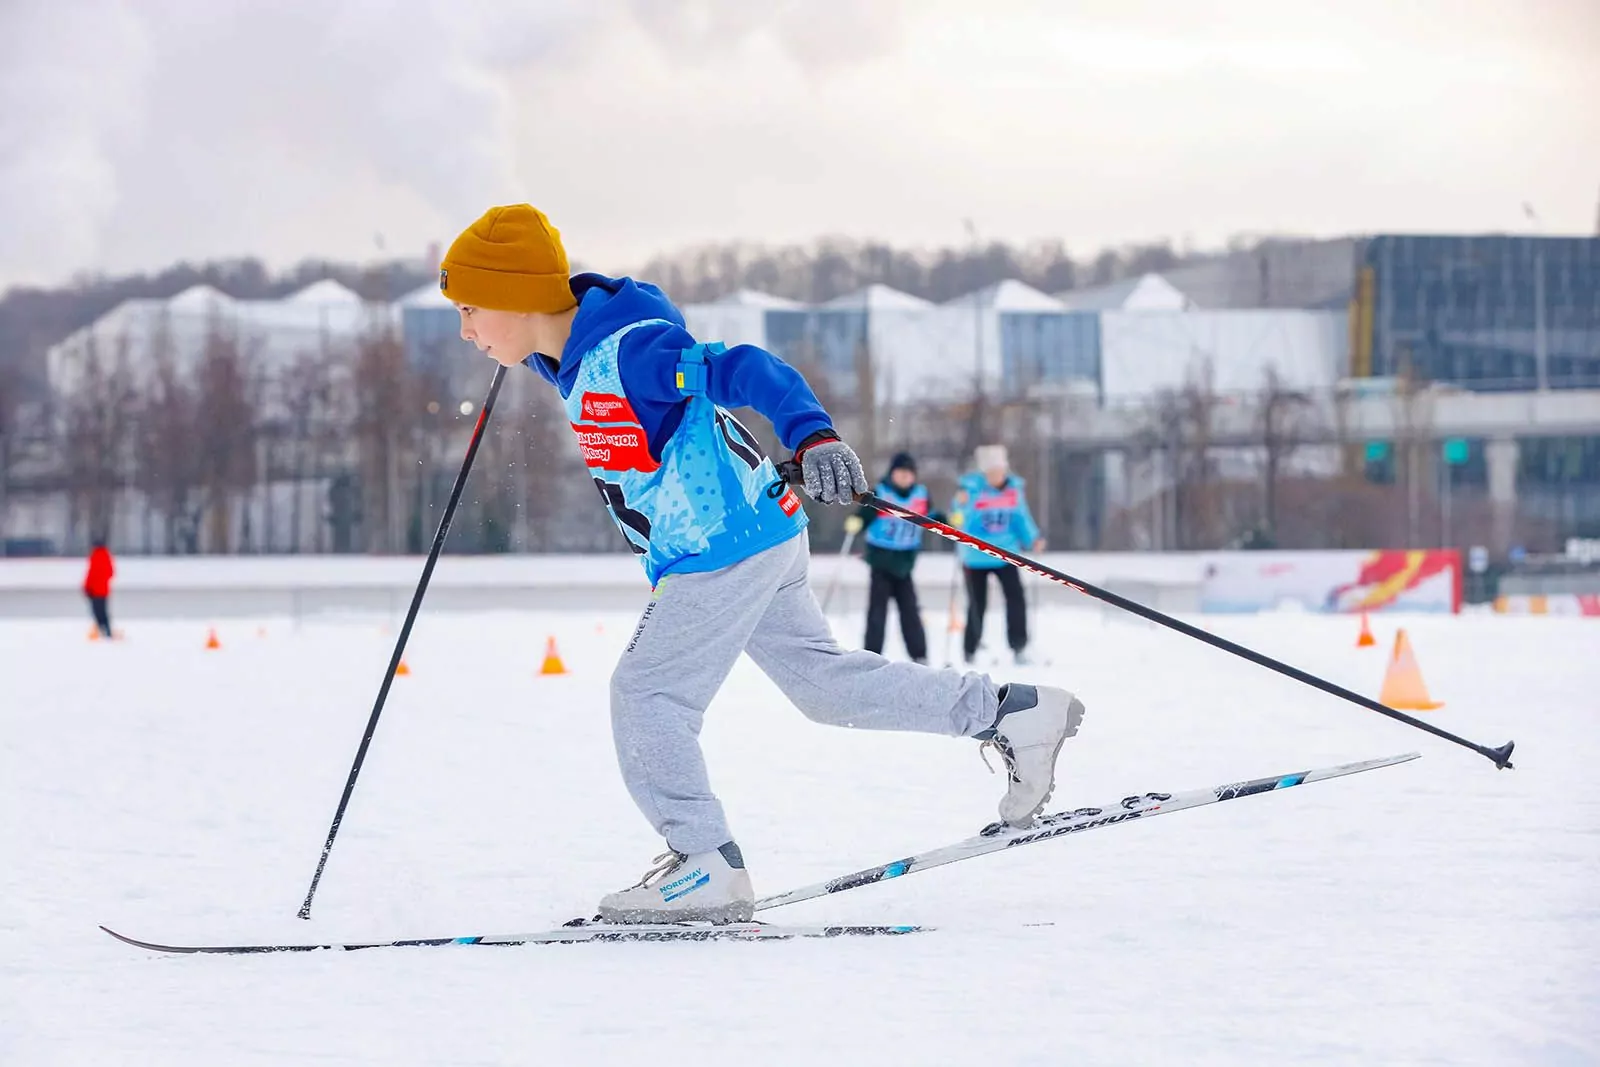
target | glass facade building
[
  {"x": 1486, "y": 313},
  {"x": 828, "y": 342},
  {"x": 1048, "y": 348}
]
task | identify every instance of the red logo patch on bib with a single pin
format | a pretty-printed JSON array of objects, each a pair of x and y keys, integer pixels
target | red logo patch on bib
[{"x": 608, "y": 407}]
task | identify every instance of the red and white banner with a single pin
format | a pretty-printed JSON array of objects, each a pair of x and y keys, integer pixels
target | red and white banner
[{"x": 1427, "y": 580}]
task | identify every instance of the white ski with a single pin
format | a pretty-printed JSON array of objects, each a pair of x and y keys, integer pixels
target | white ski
[
  {"x": 997, "y": 837},
  {"x": 993, "y": 838},
  {"x": 570, "y": 934}
]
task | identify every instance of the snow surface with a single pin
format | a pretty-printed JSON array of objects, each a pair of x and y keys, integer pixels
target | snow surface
[{"x": 1440, "y": 912}]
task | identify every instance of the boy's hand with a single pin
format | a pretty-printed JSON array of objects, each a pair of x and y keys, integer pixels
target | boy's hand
[{"x": 830, "y": 470}]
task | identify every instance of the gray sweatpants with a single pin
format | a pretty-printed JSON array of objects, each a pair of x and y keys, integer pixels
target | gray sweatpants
[{"x": 687, "y": 641}]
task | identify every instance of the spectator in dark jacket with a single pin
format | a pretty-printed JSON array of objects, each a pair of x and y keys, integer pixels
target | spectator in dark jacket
[{"x": 892, "y": 547}]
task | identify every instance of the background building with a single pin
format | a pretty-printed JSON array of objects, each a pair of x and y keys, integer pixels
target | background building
[{"x": 1384, "y": 390}]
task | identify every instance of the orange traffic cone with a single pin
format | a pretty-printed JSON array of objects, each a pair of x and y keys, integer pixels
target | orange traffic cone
[
  {"x": 1403, "y": 688},
  {"x": 552, "y": 659},
  {"x": 94, "y": 633},
  {"x": 1366, "y": 640},
  {"x": 402, "y": 669},
  {"x": 211, "y": 640}
]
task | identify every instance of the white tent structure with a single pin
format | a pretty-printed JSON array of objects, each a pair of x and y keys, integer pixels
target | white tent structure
[
  {"x": 426, "y": 296},
  {"x": 919, "y": 350},
  {"x": 739, "y": 318},
  {"x": 1008, "y": 295},
  {"x": 1147, "y": 292},
  {"x": 138, "y": 334}
]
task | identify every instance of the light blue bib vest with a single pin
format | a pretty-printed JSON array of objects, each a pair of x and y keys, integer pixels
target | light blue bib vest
[
  {"x": 713, "y": 499},
  {"x": 898, "y": 535}
]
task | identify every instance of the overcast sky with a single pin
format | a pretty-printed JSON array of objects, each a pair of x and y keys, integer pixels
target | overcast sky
[{"x": 134, "y": 134}]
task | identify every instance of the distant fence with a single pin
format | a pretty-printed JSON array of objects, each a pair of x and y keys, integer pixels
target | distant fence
[{"x": 302, "y": 587}]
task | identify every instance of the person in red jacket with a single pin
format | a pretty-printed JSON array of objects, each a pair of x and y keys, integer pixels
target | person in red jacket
[{"x": 97, "y": 585}]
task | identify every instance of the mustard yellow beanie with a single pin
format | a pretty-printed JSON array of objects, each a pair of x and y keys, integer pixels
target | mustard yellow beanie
[{"x": 511, "y": 259}]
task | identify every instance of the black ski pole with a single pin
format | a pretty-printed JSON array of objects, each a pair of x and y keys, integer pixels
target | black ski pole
[
  {"x": 1501, "y": 757},
  {"x": 405, "y": 632}
]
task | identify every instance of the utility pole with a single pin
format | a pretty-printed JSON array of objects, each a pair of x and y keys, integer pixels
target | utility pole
[
  {"x": 1540, "y": 347},
  {"x": 977, "y": 315}
]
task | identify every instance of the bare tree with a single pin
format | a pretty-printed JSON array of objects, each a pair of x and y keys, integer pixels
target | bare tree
[
  {"x": 387, "y": 408},
  {"x": 1281, "y": 414},
  {"x": 169, "y": 469},
  {"x": 10, "y": 433},
  {"x": 544, "y": 467},
  {"x": 1157, "y": 447},
  {"x": 1413, "y": 411},
  {"x": 501, "y": 482},
  {"x": 975, "y": 419},
  {"x": 306, "y": 391},
  {"x": 866, "y": 443},
  {"x": 227, "y": 408},
  {"x": 1177, "y": 435},
  {"x": 1199, "y": 503},
  {"x": 98, "y": 421}
]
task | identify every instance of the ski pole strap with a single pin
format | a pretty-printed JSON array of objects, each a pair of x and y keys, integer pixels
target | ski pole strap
[{"x": 1501, "y": 757}]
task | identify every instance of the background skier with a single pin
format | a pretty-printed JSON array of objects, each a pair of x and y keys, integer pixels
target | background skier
[
  {"x": 891, "y": 555},
  {"x": 992, "y": 503}
]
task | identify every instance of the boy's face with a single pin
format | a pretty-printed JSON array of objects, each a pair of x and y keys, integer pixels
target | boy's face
[
  {"x": 505, "y": 336},
  {"x": 903, "y": 479}
]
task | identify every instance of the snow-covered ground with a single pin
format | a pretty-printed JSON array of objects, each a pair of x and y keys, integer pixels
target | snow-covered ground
[{"x": 1439, "y": 912}]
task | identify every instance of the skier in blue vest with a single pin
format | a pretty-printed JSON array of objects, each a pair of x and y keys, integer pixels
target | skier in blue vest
[
  {"x": 721, "y": 538},
  {"x": 992, "y": 503},
  {"x": 891, "y": 555}
]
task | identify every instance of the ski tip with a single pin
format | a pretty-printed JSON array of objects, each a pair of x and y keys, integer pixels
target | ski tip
[
  {"x": 135, "y": 942},
  {"x": 1368, "y": 765}
]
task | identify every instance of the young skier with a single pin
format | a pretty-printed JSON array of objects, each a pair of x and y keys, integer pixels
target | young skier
[
  {"x": 991, "y": 502},
  {"x": 891, "y": 554},
  {"x": 720, "y": 536}
]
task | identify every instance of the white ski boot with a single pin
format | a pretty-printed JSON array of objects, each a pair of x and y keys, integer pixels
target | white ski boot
[
  {"x": 708, "y": 887},
  {"x": 1033, "y": 723}
]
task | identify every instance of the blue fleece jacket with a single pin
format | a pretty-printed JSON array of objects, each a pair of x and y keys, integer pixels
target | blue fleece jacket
[
  {"x": 742, "y": 376},
  {"x": 688, "y": 486}
]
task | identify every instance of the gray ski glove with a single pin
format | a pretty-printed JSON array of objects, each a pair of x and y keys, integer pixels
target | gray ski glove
[{"x": 829, "y": 469}]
